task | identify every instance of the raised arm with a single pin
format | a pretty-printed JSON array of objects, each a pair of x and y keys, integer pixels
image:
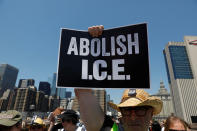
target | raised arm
[{"x": 90, "y": 110}]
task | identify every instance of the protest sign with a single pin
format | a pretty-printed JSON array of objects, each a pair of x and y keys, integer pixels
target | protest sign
[{"x": 116, "y": 59}]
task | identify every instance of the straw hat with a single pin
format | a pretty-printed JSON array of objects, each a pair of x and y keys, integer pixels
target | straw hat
[{"x": 138, "y": 97}]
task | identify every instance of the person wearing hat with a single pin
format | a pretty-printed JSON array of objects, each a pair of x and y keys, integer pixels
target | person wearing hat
[
  {"x": 37, "y": 124},
  {"x": 10, "y": 121},
  {"x": 136, "y": 107}
]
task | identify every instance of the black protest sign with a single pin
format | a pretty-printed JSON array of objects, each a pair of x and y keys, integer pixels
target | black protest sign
[{"x": 117, "y": 59}]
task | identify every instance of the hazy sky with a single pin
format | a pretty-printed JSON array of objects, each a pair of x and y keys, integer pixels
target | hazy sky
[{"x": 30, "y": 30}]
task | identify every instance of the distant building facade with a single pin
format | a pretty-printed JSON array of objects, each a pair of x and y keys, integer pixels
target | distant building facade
[
  {"x": 40, "y": 96},
  {"x": 8, "y": 76},
  {"x": 4, "y": 100},
  {"x": 167, "y": 109},
  {"x": 54, "y": 102},
  {"x": 54, "y": 90},
  {"x": 181, "y": 63},
  {"x": 25, "y": 83},
  {"x": 45, "y": 87},
  {"x": 61, "y": 92},
  {"x": 68, "y": 94},
  {"x": 25, "y": 99}
]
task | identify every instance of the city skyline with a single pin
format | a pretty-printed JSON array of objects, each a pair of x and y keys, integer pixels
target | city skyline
[{"x": 30, "y": 31}]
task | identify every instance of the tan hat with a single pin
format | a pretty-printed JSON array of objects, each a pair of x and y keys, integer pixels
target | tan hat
[
  {"x": 10, "y": 118},
  {"x": 138, "y": 97}
]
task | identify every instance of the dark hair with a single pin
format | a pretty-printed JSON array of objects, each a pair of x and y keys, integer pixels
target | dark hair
[
  {"x": 70, "y": 116},
  {"x": 171, "y": 119},
  {"x": 70, "y": 119},
  {"x": 156, "y": 126}
]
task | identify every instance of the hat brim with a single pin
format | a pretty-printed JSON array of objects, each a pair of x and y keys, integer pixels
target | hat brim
[
  {"x": 7, "y": 122},
  {"x": 133, "y": 102}
]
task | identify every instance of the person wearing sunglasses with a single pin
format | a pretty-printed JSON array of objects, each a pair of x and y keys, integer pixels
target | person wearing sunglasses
[
  {"x": 37, "y": 125},
  {"x": 10, "y": 120},
  {"x": 174, "y": 123},
  {"x": 137, "y": 108}
]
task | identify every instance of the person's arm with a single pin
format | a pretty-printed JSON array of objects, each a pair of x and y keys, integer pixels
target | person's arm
[
  {"x": 90, "y": 110},
  {"x": 52, "y": 121}
]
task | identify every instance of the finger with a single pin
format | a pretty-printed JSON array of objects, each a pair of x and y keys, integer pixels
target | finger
[
  {"x": 96, "y": 31},
  {"x": 90, "y": 30},
  {"x": 101, "y": 27}
]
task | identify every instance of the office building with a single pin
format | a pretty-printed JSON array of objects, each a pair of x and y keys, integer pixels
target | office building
[
  {"x": 167, "y": 109},
  {"x": 8, "y": 76},
  {"x": 68, "y": 94},
  {"x": 45, "y": 87},
  {"x": 181, "y": 66},
  {"x": 40, "y": 96},
  {"x": 54, "y": 90},
  {"x": 23, "y": 83},
  {"x": 25, "y": 99},
  {"x": 54, "y": 102},
  {"x": 61, "y": 92}
]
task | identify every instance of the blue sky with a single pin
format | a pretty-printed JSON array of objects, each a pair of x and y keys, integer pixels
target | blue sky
[{"x": 30, "y": 30}]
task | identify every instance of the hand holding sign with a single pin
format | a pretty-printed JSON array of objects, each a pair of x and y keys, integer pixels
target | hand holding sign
[
  {"x": 96, "y": 31},
  {"x": 117, "y": 58}
]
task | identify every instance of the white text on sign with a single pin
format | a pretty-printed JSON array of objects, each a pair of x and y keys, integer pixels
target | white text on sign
[{"x": 120, "y": 45}]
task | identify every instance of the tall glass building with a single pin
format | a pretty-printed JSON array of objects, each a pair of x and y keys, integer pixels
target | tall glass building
[
  {"x": 8, "y": 76},
  {"x": 181, "y": 66},
  {"x": 61, "y": 92},
  {"x": 53, "y": 85}
]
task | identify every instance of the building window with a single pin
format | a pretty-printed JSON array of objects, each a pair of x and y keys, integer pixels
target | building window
[{"x": 180, "y": 62}]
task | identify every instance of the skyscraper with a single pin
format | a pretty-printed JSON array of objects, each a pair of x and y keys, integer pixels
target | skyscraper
[
  {"x": 45, "y": 87},
  {"x": 8, "y": 76},
  {"x": 181, "y": 65},
  {"x": 68, "y": 94},
  {"x": 25, "y": 99},
  {"x": 53, "y": 85},
  {"x": 25, "y": 83}
]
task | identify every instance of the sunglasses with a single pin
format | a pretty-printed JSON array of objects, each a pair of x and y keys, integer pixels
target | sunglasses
[
  {"x": 36, "y": 127},
  {"x": 176, "y": 130},
  {"x": 139, "y": 111}
]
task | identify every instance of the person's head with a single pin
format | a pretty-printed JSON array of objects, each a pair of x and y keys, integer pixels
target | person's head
[
  {"x": 37, "y": 125},
  {"x": 11, "y": 120},
  {"x": 69, "y": 119},
  {"x": 156, "y": 126},
  {"x": 174, "y": 123},
  {"x": 137, "y": 109}
]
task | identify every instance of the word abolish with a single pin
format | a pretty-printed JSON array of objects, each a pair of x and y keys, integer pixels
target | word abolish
[{"x": 120, "y": 45}]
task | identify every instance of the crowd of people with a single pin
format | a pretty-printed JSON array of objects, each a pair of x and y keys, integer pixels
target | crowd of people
[
  {"x": 135, "y": 113},
  {"x": 135, "y": 110}
]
